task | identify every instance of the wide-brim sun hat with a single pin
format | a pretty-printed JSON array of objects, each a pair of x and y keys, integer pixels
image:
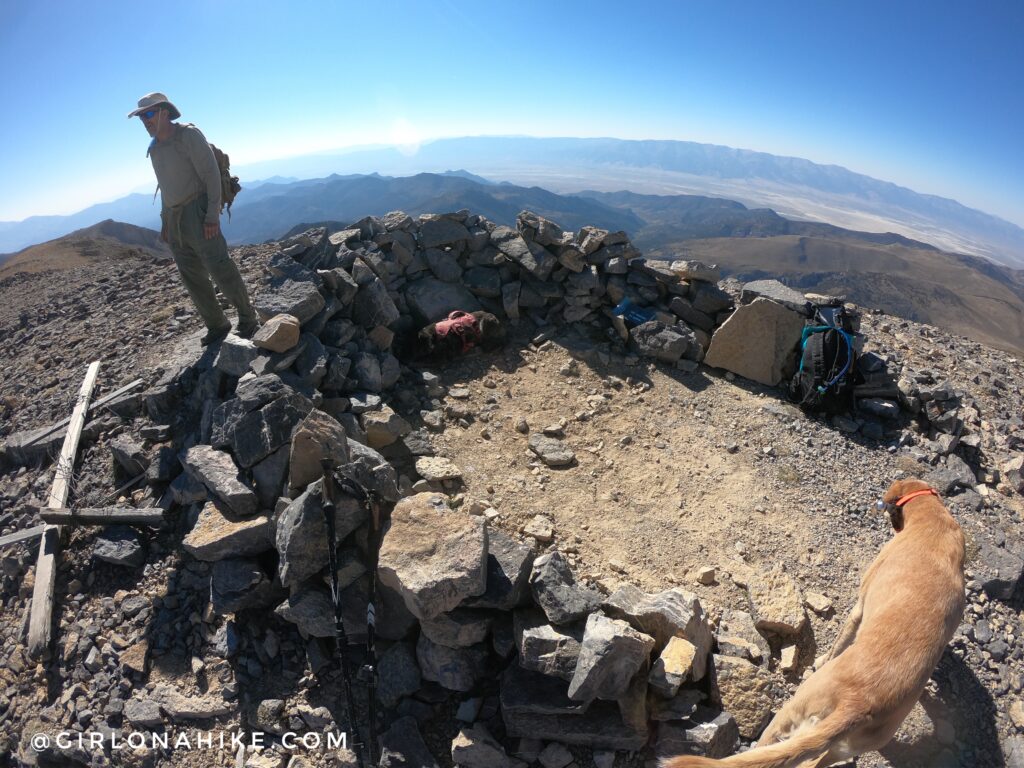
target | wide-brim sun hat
[{"x": 155, "y": 99}]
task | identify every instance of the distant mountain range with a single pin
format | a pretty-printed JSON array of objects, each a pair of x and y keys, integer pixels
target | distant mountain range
[
  {"x": 792, "y": 187},
  {"x": 965, "y": 294}
]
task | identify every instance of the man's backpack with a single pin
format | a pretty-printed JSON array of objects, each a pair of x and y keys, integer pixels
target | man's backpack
[
  {"x": 229, "y": 186},
  {"x": 825, "y": 379}
]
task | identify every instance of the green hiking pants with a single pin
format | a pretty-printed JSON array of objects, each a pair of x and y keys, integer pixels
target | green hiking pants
[{"x": 199, "y": 259}]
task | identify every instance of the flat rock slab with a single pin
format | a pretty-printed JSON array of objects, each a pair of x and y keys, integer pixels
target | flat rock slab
[
  {"x": 283, "y": 296},
  {"x": 777, "y": 292},
  {"x": 715, "y": 735},
  {"x": 218, "y": 472},
  {"x": 531, "y": 693},
  {"x": 218, "y": 533},
  {"x": 697, "y": 270},
  {"x": 143, "y": 713},
  {"x": 602, "y": 728},
  {"x": 536, "y": 260},
  {"x": 181, "y": 707},
  {"x": 509, "y": 563},
  {"x": 740, "y": 625},
  {"x": 778, "y": 603},
  {"x": 759, "y": 341},
  {"x": 434, "y": 557},
  {"x": 673, "y": 667},
  {"x": 437, "y": 468}
]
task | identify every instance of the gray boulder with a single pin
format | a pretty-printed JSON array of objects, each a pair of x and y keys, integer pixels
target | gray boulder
[
  {"x": 317, "y": 437},
  {"x": 509, "y": 563},
  {"x": 129, "y": 456},
  {"x": 283, "y": 296},
  {"x": 545, "y": 648},
  {"x": 457, "y": 669},
  {"x": 237, "y": 583},
  {"x": 668, "y": 614},
  {"x": 235, "y": 355},
  {"x": 218, "y": 472},
  {"x": 301, "y": 533},
  {"x": 664, "y": 342},
  {"x": 373, "y": 306},
  {"x": 441, "y": 231},
  {"x": 119, "y": 545},
  {"x": 401, "y": 746},
  {"x": 759, "y": 341},
  {"x": 431, "y": 300},
  {"x": 398, "y": 674},
  {"x": 557, "y": 593},
  {"x": 611, "y": 654},
  {"x": 434, "y": 557}
]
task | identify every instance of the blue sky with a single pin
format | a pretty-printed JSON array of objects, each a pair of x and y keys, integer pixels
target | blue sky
[{"x": 929, "y": 95}]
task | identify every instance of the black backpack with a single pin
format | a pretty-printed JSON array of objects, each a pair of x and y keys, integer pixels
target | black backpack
[{"x": 825, "y": 379}]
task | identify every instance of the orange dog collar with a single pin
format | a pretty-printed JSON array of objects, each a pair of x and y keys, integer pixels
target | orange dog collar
[{"x": 915, "y": 494}]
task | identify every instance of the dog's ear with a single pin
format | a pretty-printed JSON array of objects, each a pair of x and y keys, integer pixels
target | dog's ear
[{"x": 896, "y": 517}]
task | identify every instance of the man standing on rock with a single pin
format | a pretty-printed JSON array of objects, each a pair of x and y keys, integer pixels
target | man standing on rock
[{"x": 189, "y": 180}]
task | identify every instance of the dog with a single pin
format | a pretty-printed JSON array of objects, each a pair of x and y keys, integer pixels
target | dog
[
  {"x": 457, "y": 334},
  {"x": 910, "y": 603}
]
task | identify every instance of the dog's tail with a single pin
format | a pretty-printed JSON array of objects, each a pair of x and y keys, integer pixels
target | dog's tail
[{"x": 810, "y": 744}]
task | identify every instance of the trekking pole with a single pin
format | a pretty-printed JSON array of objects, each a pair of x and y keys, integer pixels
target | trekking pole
[
  {"x": 368, "y": 672},
  {"x": 370, "y": 668},
  {"x": 340, "y": 637}
]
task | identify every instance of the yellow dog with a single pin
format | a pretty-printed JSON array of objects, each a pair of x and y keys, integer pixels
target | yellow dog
[{"x": 910, "y": 603}]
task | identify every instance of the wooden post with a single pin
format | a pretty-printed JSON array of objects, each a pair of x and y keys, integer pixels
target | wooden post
[
  {"x": 40, "y": 621},
  {"x": 28, "y": 533},
  {"x": 153, "y": 516}
]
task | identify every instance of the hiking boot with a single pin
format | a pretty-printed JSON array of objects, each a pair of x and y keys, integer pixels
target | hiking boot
[
  {"x": 213, "y": 335},
  {"x": 246, "y": 329}
]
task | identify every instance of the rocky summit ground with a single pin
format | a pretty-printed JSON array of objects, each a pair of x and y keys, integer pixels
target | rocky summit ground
[{"x": 700, "y": 480}]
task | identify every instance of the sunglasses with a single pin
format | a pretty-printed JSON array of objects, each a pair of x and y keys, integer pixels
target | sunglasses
[{"x": 149, "y": 114}]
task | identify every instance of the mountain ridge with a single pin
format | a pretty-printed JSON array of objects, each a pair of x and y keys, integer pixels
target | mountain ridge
[{"x": 792, "y": 186}]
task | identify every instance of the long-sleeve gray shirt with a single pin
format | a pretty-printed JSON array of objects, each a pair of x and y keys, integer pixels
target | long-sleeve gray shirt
[{"x": 185, "y": 168}]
